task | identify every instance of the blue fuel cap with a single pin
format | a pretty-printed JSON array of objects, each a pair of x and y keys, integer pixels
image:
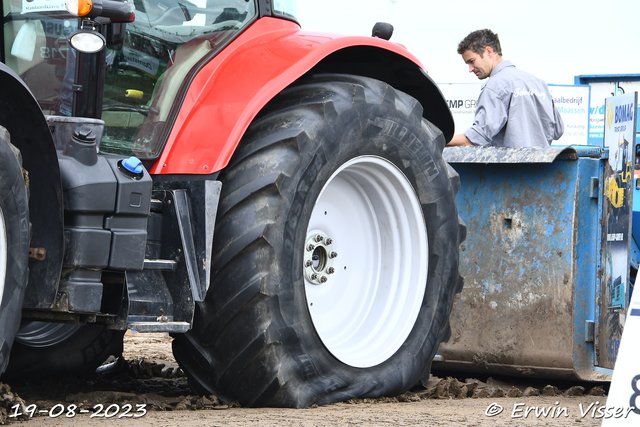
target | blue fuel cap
[{"x": 133, "y": 164}]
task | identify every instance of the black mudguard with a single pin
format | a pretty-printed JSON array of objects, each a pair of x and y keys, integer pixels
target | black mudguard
[
  {"x": 21, "y": 115},
  {"x": 397, "y": 71}
]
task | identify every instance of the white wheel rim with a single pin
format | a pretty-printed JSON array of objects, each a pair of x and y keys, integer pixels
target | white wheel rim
[
  {"x": 365, "y": 308},
  {"x": 3, "y": 253}
]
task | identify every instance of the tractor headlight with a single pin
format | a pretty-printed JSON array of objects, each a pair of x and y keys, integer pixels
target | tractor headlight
[{"x": 87, "y": 41}]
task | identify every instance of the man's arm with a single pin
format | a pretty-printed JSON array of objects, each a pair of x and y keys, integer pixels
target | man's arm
[
  {"x": 459, "y": 140},
  {"x": 558, "y": 129},
  {"x": 492, "y": 114}
]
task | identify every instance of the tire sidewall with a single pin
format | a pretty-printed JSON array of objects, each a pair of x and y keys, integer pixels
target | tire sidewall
[
  {"x": 15, "y": 211},
  {"x": 407, "y": 142},
  {"x": 79, "y": 354}
]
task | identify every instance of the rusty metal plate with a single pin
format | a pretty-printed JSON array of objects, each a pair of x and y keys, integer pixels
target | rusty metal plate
[{"x": 529, "y": 264}]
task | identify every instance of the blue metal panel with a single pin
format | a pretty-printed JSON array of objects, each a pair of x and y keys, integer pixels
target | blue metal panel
[
  {"x": 587, "y": 281},
  {"x": 595, "y": 151},
  {"x": 634, "y": 258},
  {"x": 636, "y": 208},
  {"x": 585, "y": 79},
  {"x": 530, "y": 266}
]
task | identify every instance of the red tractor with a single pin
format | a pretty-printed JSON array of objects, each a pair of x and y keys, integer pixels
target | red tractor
[{"x": 130, "y": 132}]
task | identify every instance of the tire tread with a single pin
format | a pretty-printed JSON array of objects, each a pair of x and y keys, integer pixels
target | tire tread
[{"x": 250, "y": 352}]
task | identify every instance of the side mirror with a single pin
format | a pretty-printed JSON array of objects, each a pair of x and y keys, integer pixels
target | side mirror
[{"x": 382, "y": 30}]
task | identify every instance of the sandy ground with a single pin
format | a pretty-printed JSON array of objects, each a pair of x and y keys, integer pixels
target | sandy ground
[
  {"x": 467, "y": 412},
  {"x": 165, "y": 400}
]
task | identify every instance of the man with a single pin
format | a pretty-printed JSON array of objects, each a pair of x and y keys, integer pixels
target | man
[{"x": 514, "y": 109}]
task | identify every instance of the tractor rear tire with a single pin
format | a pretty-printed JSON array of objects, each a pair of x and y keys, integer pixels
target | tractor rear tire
[
  {"x": 14, "y": 243},
  {"x": 335, "y": 258},
  {"x": 57, "y": 350}
]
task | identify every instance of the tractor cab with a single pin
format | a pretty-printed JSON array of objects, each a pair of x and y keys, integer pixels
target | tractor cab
[{"x": 136, "y": 82}]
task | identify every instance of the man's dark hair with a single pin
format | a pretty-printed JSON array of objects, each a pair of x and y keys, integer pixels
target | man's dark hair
[{"x": 478, "y": 40}]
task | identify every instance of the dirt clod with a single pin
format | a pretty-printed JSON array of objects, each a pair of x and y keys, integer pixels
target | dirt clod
[
  {"x": 407, "y": 397},
  {"x": 184, "y": 404},
  {"x": 481, "y": 393},
  {"x": 597, "y": 391},
  {"x": 449, "y": 388},
  {"x": 514, "y": 392},
  {"x": 576, "y": 390},
  {"x": 550, "y": 390},
  {"x": 530, "y": 391},
  {"x": 495, "y": 392},
  {"x": 472, "y": 385},
  {"x": 8, "y": 402}
]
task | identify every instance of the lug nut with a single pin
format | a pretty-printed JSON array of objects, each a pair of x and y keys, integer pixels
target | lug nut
[
  {"x": 314, "y": 276},
  {"x": 310, "y": 247},
  {"x": 328, "y": 241},
  {"x": 319, "y": 238},
  {"x": 330, "y": 270},
  {"x": 323, "y": 279},
  {"x": 333, "y": 255},
  {"x": 308, "y": 263}
]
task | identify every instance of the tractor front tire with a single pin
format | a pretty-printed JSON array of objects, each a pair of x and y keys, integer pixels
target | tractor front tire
[
  {"x": 335, "y": 258},
  {"x": 58, "y": 350},
  {"x": 14, "y": 243}
]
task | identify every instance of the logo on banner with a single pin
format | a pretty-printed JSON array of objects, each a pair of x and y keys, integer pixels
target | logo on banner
[
  {"x": 620, "y": 114},
  {"x": 610, "y": 115},
  {"x": 141, "y": 60}
]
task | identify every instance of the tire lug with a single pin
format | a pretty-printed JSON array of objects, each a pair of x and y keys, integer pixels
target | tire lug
[
  {"x": 328, "y": 241},
  {"x": 319, "y": 238},
  {"x": 330, "y": 270},
  {"x": 308, "y": 263},
  {"x": 310, "y": 247},
  {"x": 333, "y": 255},
  {"x": 314, "y": 276},
  {"x": 323, "y": 279}
]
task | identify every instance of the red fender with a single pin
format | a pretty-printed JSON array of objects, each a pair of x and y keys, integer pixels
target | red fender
[{"x": 229, "y": 91}]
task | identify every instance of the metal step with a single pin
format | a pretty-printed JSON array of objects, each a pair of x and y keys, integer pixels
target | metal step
[
  {"x": 160, "y": 264},
  {"x": 171, "y": 327}
]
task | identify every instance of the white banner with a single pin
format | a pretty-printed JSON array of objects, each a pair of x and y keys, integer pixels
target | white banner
[
  {"x": 29, "y": 6},
  {"x": 600, "y": 91},
  {"x": 461, "y": 99},
  {"x": 572, "y": 103}
]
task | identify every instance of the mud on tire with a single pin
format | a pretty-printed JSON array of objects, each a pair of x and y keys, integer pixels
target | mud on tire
[{"x": 328, "y": 145}]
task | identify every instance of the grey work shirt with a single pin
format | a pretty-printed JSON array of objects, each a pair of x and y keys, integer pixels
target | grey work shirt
[{"x": 515, "y": 109}]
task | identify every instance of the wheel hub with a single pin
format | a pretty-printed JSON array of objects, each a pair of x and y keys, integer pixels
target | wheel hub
[{"x": 319, "y": 258}]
